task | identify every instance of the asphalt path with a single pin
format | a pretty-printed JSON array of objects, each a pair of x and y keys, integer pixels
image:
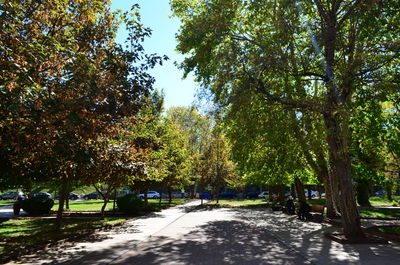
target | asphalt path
[
  {"x": 179, "y": 235},
  {"x": 189, "y": 234}
]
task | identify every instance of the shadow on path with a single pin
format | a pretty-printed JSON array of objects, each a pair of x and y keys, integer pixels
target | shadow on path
[{"x": 217, "y": 242}]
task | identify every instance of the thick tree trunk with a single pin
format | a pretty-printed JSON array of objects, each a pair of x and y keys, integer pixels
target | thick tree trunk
[
  {"x": 281, "y": 193},
  {"x": 331, "y": 209},
  {"x": 63, "y": 195},
  {"x": 338, "y": 142},
  {"x": 169, "y": 195},
  {"x": 299, "y": 189},
  {"x": 363, "y": 192}
]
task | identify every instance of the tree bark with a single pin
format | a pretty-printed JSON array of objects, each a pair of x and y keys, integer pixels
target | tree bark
[
  {"x": 363, "y": 193},
  {"x": 63, "y": 195},
  {"x": 299, "y": 189},
  {"x": 389, "y": 193},
  {"x": 169, "y": 195},
  {"x": 338, "y": 142}
]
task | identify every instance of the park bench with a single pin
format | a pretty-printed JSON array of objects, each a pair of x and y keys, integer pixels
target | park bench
[{"x": 317, "y": 213}]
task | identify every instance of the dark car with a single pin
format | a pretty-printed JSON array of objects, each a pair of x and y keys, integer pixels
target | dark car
[
  {"x": 228, "y": 194},
  {"x": 91, "y": 196},
  {"x": 11, "y": 195},
  {"x": 42, "y": 194},
  {"x": 73, "y": 196},
  {"x": 252, "y": 195}
]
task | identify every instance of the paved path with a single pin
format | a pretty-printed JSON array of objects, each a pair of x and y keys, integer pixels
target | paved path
[
  {"x": 185, "y": 235},
  {"x": 7, "y": 212}
]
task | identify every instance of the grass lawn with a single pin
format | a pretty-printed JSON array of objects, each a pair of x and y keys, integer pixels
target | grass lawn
[
  {"x": 380, "y": 212},
  {"x": 390, "y": 230},
  {"x": 16, "y": 234},
  {"x": 238, "y": 203},
  {"x": 4, "y": 203},
  {"x": 95, "y": 205},
  {"x": 383, "y": 201}
]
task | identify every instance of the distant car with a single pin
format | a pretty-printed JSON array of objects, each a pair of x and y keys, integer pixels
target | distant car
[
  {"x": 151, "y": 194},
  {"x": 313, "y": 193},
  {"x": 379, "y": 193},
  {"x": 73, "y": 196},
  {"x": 91, "y": 196},
  {"x": 42, "y": 194},
  {"x": 228, "y": 194},
  {"x": 178, "y": 195},
  {"x": 11, "y": 195},
  {"x": 263, "y": 195},
  {"x": 252, "y": 194}
]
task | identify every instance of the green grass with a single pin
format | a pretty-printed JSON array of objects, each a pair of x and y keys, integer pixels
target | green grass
[
  {"x": 389, "y": 229},
  {"x": 4, "y": 203},
  {"x": 383, "y": 201},
  {"x": 238, "y": 203},
  {"x": 95, "y": 205},
  {"x": 380, "y": 212},
  {"x": 89, "y": 205},
  {"x": 17, "y": 234}
]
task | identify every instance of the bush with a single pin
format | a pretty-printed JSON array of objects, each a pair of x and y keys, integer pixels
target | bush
[
  {"x": 37, "y": 205},
  {"x": 130, "y": 204}
]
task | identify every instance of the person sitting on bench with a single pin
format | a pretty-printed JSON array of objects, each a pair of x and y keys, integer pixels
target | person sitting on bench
[
  {"x": 304, "y": 210},
  {"x": 290, "y": 208}
]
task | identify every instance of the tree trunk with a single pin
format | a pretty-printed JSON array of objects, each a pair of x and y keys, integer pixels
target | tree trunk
[
  {"x": 281, "y": 193},
  {"x": 103, "y": 208},
  {"x": 146, "y": 200},
  {"x": 338, "y": 143},
  {"x": 309, "y": 194},
  {"x": 389, "y": 188},
  {"x": 299, "y": 189},
  {"x": 331, "y": 208},
  {"x": 363, "y": 193},
  {"x": 67, "y": 202},
  {"x": 63, "y": 195},
  {"x": 270, "y": 198}
]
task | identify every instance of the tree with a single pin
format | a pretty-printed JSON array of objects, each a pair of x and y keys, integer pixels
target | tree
[
  {"x": 216, "y": 167},
  {"x": 314, "y": 56},
  {"x": 174, "y": 154},
  {"x": 196, "y": 128},
  {"x": 64, "y": 81}
]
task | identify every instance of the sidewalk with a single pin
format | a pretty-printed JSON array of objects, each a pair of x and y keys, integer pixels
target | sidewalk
[
  {"x": 105, "y": 246},
  {"x": 7, "y": 212},
  {"x": 307, "y": 239}
]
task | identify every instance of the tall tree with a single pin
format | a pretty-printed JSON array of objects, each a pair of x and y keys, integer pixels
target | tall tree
[
  {"x": 310, "y": 56},
  {"x": 64, "y": 80}
]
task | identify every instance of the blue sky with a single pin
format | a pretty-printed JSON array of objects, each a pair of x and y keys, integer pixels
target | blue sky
[{"x": 156, "y": 15}]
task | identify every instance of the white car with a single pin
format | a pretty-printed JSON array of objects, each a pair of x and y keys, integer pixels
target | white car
[
  {"x": 263, "y": 195},
  {"x": 151, "y": 194}
]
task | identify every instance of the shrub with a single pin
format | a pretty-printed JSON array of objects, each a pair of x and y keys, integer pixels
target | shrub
[
  {"x": 37, "y": 205},
  {"x": 130, "y": 204}
]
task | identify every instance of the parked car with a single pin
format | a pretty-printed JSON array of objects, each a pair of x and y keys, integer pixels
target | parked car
[
  {"x": 263, "y": 195},
  {"x": 178, "y": 195},
  {"x": 91, "y": 196},
  {"x": 151, "y": 194},
  {"x": 313, "y": 193},
  {"x": 379, "y": 193},
  {"x": 228, "y": 194},
  {"x": 11, "y": 195},
  {"x": 73, "y": 196},
  {"x": 252, "y": 194},
  {"x": 42, "y": 194}
]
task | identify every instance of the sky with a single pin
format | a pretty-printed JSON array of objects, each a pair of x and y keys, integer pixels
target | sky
[{"x": 155, "y": 14}]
